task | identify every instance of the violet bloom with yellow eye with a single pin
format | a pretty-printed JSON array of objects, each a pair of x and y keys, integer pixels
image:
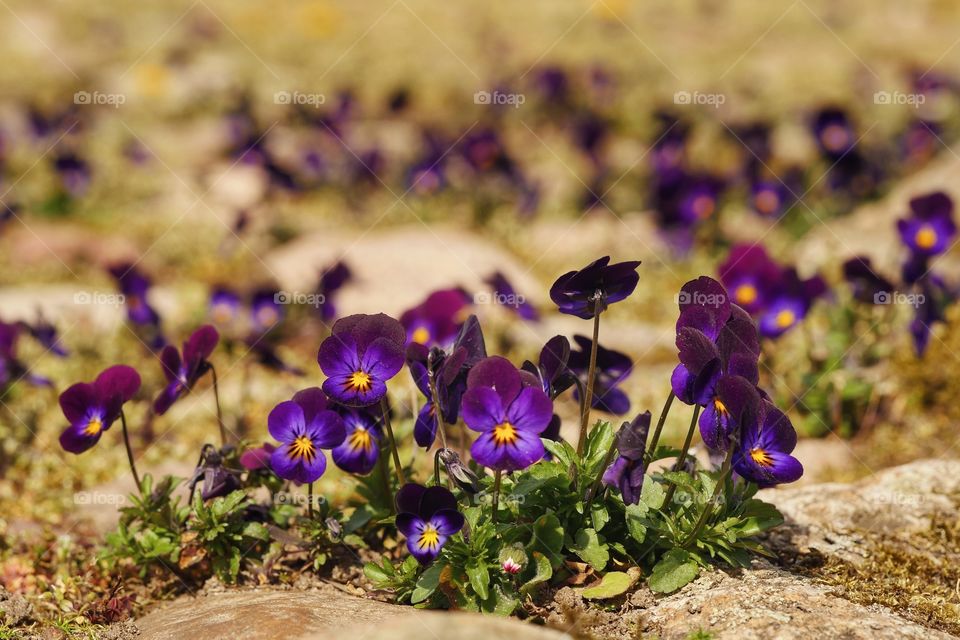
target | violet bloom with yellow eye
[
  {"x": 930, "y": 228},
  {"x": 360, "y": 355},
  {"x": 304, "y": 426},
  {"x": 360, "y": 448},
  {"x": 509, "y": 416},
  {"x": 91, "y": 408},
  {"x": 749, "y": 275},
  {"x": 763, "y": 455},
  {"x": 436, "y": 320},
  {"x": 790, "y": 304},
  {"x": 266, "y": 310},
  {"x": 589, "y": 291},
  {"x": 427, "y": 518}
]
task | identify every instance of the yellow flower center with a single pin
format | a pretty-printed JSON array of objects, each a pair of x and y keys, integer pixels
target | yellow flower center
[
  {"x": 926, "y": 237},
  {"x": 421, "y": 335},
  {"x": 719, "y": 406},
  {"x": 94, "y": 426},
  {"x": 361, "y": 439},
  {"x": 429, "y": 538},
  {"x": 504, "y": 433},
  {"x": 785, "y": 318},
  {"x": 359, "y": 381},
  {"x": 302, "y": 448},
  {"x": 761, "y": 457},
  {"x": 746, "y": 294}
]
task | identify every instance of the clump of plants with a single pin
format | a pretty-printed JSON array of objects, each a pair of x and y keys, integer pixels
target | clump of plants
[{"x": 510, "y": 510}]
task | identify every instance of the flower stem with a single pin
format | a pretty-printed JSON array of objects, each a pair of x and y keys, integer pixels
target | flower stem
[
  {"x": 385, "y": 480},
  {"x": 126, "y": 442},
  {"x": 436, "y": 467},
  {"x": 588, "y": 394},
  {"x": 496, "y": 493},
  {"x": 437, "y": 409},
  {"x": 683, "y": 452},
  {"x": 216, "y": 395},
  {"x": 310, "y": 500},
  {"x": 708, "y": 508},
  {"x": 663, "y": 419},
  {"x": 385, "y": 410}
]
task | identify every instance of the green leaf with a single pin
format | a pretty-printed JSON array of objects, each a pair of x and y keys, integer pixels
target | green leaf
[
  {"x": 612, "y": 585},
  {"x": 543, "y": 571},
  {"x": 561, "y": 451},
  {"x": 587, "y": 545},
  {"x": 600, "y": 516},
  {"x": 599, "y": 441},
  {"x": 427, "y": 583},
  {"x": 499, "y": 603},
  {"x": 636, "y": 516},
  {"x": 675, "y": 569},
  {"x": 652, "y": 495},
  {"x": 548, "y": 538},
  {"x": 758, "y": 516},
  {"x": 257, "y": 531},
  {"x": 375, "y": 574},
  {"x": 479, "y": 578}
]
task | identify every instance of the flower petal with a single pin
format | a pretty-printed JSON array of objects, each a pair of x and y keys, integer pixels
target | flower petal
[
  {"x": 481, "y": 409},
  {"x": 286, "y": 421}
]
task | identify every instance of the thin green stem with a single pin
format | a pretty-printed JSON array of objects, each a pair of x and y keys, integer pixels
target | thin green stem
[
  {"x": 385, "y": 410},
  {"x": 126, "y": 443},
  {"x": 216, "y": 395},
  {"x": 496, "y": 493},
  {"x": 708, "y": 508},
  {"x": 663, "y": 419},
  {"x": 683, "y": 453},
  {"x": 437, "y": 409},
  {"x": 310, "y": 500},
  {"x": 588, "y": 394},
  {"x": 436, "y": 467}
]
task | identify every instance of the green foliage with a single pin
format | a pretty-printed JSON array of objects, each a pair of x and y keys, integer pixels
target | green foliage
[{"x": 220, "y": 532}]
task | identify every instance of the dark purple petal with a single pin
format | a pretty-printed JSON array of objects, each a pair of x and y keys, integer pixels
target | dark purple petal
[
  {"x": 408, "y": 498},
  {"x": 425, "y": 428},
  {"x": 382, "y": 359},
  {"x": 77, "y": 401},
  {"x": 257, "y": 458},
  {"x": 632, "y": 437},
  {"x": 497, "y": 373},
  {"x": 448, "y": 521},
  {"x": 167, "y": 397},
  {"x": 200, "y": 344},
  {"x": 312, "y": 400},
  {"x": 299, "y": 469},
  {"x": 526, "y": 449},
  {"x": 118, "y": 381},
  {"x": 170, "y": 362},
  {"x": 364, "y": 329},
  {"x": 436, "y": 499},
  {"x": 696, "y": 350},
  {"x": 361, "y": 446},
  {"x": 75, "y": 440},
  {"x": 326, "y": 430},
  {"x": 338, "y": 355},
  {"x": 530, "y": 411},
  {"x": 409, "y": 524}
]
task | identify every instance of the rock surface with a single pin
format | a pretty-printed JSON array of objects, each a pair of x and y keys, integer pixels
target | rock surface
[{"x": 319, "y": 615}]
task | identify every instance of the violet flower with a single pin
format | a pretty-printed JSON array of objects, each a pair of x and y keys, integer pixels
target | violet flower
[
  {"x": 360, "y": 449},
  {"x": 763, "y": 455},
  {"x": 509, "y": 416},
  {"x": 627, "y": 471},
  {"x": 867, "y": 286},
  {"x": 331, "y": 281},
  {"x": 427, "y": 518},
  {"x": 360, "y": 355},
  {"x": 504, "y": 294},
  {"x": 12, "y": 369},
  {"x": 436, "y": 320},
  {"x": 183, "y": 373},
  {"x": 304, "y": 426},
  {"x": 613, "y": 367},
  {"x": 91, "y": 408},
  {"x": 930, "y": 228},
  {"x": 591, "y": 290},
  {"x": 749, "y": 274}
]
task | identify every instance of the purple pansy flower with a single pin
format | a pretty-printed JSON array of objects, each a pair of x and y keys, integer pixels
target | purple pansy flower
[
  {"x": 553, "y": 367},
  {"x": 627, "y": 471},
  {"x": 834, "y": 133},
  {"x": 504, "y": 294},
  {"x": 427, "y": 518},
  {"x": 867, "y": 286},
  {"x": 183, "y": 373},
  {"x": 91, "y": 408},
  {"x": 749, "y": 275},
  {"x": 258, "y": 457},
  {"x": 224, "y": 306},
  {"x": 509, "y": 416},
  {"x": 763, "y": 455},
  {"x": 360, "y": 355},
  {"x": 449, "y": 369},
  {"x": 266, "y": 310},
  {"x": 303, "y": 426},
  {"x": 591, "y": 290},
  {"x": 930, "y": 228},
  {"x": 361, "y": 447},
  {"x": 135, "y": 287},
  {"x": 44, "y": 332},
  {"x": 613, "y": 367},
  {"x": 436, "y": 320},
  {"x": 331, "y": 281},
  {"x": 12, "y": 368},
  {"x": 790, "y": 304}
]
